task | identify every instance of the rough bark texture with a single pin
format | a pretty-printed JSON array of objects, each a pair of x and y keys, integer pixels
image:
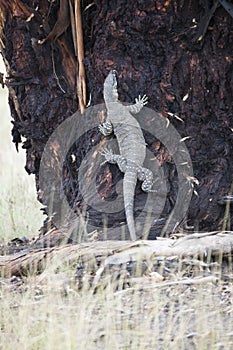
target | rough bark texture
[
  {"x": 161, "y": 48},
  {"x": 100, "y": 256}
]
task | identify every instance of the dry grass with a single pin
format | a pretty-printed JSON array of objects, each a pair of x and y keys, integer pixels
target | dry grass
[
  {"x": 51, "y": 312},
  {"x": 19, "y": 209}
]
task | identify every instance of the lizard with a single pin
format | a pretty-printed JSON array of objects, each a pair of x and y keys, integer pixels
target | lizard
[{"x": 131, "y": 142}]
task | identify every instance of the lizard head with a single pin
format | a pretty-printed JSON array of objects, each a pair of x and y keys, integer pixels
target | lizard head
[{"x": 110, "y": 87}]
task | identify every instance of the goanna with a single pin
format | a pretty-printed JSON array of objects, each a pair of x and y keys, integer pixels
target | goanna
[{"x": 131, "y": 142}]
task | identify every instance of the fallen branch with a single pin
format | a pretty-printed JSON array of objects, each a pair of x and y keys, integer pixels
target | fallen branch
[
  {"x": 185, "y": 281},
  {"x": 107, "y": 253}
]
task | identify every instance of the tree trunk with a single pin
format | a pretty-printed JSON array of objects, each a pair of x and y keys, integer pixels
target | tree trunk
[{"x": 179, "y": 53}]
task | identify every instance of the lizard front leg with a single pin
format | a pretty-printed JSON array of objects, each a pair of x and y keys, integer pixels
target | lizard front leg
[
  {"x": 106, "y": 128},
  {"x": 140, "y": 102},
  {"x": 146, "y": 176}
]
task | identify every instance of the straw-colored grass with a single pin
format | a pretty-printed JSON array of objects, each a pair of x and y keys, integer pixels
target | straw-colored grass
[{"x": 51, "y": 313}]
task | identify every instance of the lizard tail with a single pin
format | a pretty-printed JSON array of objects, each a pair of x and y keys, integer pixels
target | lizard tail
[{"x": 129, "y": 184}]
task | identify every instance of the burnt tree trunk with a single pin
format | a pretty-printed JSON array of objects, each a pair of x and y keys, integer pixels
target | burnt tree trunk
[{"x": 179, "y": 53}]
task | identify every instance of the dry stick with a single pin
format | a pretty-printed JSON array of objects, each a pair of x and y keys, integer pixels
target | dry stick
[
  {"x": 81, "y": 81},
  {"x": 226, "y": 217},
  {"x": 188, "y": 281},
  {"x": 205, "y": 20},
  {"x": 55, "y": 74}
]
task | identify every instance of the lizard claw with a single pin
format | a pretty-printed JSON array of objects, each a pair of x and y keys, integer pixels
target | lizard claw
[{"x": 104, "y": 162}]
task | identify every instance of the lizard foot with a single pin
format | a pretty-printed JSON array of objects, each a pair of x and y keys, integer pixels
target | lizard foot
[
  {"x": 146, "y": 176},
  {"x": 142, "y": 101},
  {"x": 112, "y": 158},
  {"x": 146, "y": 186},
  {"x": 106, "y": 128},
  {"x": 107, "y": 153}
]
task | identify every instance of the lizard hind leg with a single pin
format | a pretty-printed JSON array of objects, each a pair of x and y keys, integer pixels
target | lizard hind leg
[
  {"x": 112, "y": 158},
  {"x": 146, "y": 176},
  {"x": 109, "y": 156}
]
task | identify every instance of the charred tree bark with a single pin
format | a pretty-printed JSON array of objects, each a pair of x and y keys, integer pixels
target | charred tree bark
[{"x": 179, "y": 53}]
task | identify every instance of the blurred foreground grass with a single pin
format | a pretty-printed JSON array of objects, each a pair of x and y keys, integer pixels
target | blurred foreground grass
[
  {"x": 20, "y": 213},
  {"x": 50, "y": 312}
]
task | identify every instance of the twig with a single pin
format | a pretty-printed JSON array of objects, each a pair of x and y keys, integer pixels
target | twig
[
  {"x": 226, "y": 218},
  {"x": 55, "y": 74},
  {"x": 188, "y": 281},
  {"x": 81, "y": 81},
  {"x": 205, "y": 20}
]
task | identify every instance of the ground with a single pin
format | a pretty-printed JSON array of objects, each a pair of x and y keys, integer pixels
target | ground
[{"x": 50, "y": 311}]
